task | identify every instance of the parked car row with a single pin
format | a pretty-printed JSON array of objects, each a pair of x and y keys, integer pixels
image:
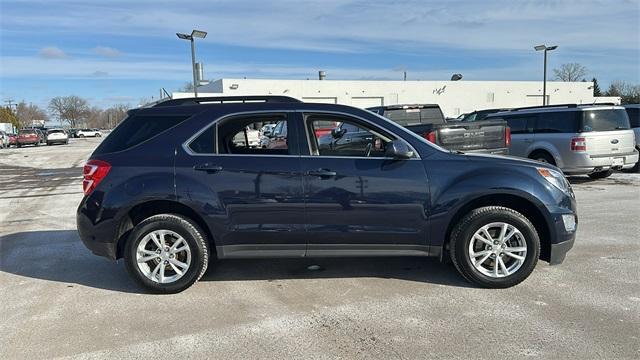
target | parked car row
[{"x": 34, "y": 137}]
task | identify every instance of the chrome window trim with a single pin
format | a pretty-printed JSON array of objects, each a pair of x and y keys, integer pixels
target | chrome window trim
[
  {"x": 187, "y": 149},
  {"x": 369, "y": 122},
  {"x": 215, "y": 122}
]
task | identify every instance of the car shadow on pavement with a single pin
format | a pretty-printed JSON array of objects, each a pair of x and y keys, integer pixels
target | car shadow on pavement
[
  {"x": 59, "y": 256},
  {"x": 418, "y": 269}
]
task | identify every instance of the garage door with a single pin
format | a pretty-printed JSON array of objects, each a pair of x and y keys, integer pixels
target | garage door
[
  {"x": 323, "y": 100},
  {"x": 366, "y": 101}
]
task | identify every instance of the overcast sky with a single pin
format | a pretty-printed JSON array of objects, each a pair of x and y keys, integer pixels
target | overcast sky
[{"x": 120, "y": 51}]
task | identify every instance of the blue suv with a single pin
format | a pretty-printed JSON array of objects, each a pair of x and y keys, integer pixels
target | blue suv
[{"x": 178, "y": 184}]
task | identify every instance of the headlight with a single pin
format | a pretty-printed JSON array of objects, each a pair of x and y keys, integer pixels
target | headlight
[{"x": 555, "y": 177}]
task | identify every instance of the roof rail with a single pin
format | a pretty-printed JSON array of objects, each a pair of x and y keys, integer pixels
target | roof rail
[
  {"x": 545, "y": 107},
  {"x": 223, "y": 99}
]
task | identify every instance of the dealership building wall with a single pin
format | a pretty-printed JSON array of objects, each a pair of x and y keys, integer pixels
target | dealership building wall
[{"x": 454, "y": 97}]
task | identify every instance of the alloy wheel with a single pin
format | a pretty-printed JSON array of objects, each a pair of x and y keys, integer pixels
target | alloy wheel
[
  {"x": 497, "y": 250},
  {"x": 163, "y": 256}
]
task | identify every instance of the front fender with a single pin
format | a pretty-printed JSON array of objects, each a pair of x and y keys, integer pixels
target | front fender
[{"x": 451, "y": 194}]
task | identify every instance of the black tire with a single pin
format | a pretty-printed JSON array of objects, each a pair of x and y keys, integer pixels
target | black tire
[
  {"x": 192, "y": 234},
  {"x": 18, "y": 145},
  {"x": 601, "y": 174},
  {"x": 98, "y": 135},
  {"x": 543, "y": 157},
  {"x": 48, "y": 144},
  {"x": 472, "y": 222},
  {"x": 37, "y": 144},
  {"x": 81, "y": 135}
]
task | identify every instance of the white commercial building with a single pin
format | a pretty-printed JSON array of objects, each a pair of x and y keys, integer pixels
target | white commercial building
[{"x": 454, "y": 97}]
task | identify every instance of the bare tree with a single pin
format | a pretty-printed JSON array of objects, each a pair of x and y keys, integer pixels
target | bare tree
[
  {"x": 71, "y": 109},
  {"x": 27, "y": 113},
  {"x": 629, "y": 93},
  {"x": 570, "y": 72},
  {"x": 186, "y": 87}
]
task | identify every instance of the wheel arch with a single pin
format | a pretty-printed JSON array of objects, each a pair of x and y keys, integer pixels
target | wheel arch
[
  {"x": 543, "y": 148},
  {"x": 154, "y": 207},
  {"x": 521, "y": 204}
]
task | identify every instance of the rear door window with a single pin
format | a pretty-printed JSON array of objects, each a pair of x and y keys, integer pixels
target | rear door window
[
  {"x": 137, "y": 129},
  {"x": 557, "y": 122},
  {"x": 519, "y": 124},
  {"x": 604, "y": 120}
]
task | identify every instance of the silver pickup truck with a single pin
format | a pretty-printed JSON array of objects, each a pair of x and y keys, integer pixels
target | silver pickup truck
[{"x": 427, "y": 120}]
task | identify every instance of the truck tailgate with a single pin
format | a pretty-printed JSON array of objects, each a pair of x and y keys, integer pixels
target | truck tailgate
[{"x": 472, "y": 135}]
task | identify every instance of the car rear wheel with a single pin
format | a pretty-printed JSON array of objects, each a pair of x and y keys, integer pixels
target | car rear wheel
[
  {"x": 494, "y": 247},
  {"x": 601, "y": 174},
  {"x": 543, "y": 157},
  {"x": 166, "y": 253}
]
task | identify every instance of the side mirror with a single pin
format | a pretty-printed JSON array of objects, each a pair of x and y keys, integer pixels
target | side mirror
[
  {"x": 338, "y": 133},
  {"x": 398, "y": 149}
]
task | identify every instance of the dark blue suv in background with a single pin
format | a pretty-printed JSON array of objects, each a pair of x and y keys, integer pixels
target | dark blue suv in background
[{"x": 177, "y": 184}]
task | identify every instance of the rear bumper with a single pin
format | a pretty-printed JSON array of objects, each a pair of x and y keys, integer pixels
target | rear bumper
[
  {"x": 100, "y": 238},
  {"x": 586, "y": 164}
]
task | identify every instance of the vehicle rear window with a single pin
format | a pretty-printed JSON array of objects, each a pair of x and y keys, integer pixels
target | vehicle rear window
[
  {"x": 55, "y": 131},
  {"x": 26, "y": 132},
  {"x": 430, "y": 115},
  {"x": 634, "y": 117},
  {"x": 557, "y": 122},
  {"x": 137, "y": 128},
  {"x": 604, "y": 120}
]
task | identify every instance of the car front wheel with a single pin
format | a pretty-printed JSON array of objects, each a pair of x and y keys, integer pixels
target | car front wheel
[
  {"x": 166, "y": 253},
  {"x": 494, "y": 247}
]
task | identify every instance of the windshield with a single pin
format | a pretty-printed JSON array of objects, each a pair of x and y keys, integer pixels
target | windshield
[
  {"x": 604, "y": 120},
  {"x": 430, "y": 115},
  {"x": 55, "y": 131}
]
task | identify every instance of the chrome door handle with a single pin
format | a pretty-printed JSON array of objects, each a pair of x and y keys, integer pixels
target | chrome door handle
[
  {"x": 323, "y": 173},
  {"x": 209, "y": 168}
]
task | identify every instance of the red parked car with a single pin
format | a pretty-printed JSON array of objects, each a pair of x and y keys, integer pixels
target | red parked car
[
  {"x": 13, "y": 140},
  {"x": 27, "y": 137}
]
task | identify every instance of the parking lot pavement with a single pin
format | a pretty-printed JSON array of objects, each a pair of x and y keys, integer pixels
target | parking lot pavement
[{"x": 57, "y": 299}]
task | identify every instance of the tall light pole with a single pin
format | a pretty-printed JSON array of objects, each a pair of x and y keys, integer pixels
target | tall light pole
[
  {"x": 194, "y": 34},
  {"x": 544, "y": 81}
]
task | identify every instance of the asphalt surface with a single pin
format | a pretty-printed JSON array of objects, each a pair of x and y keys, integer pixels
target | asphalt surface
[{"x": 59, "y": 300}]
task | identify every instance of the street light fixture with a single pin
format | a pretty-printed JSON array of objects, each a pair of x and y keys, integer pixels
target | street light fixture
[
  {"x": 544, "y": 81},
  {"x": 194, "y": 34}
]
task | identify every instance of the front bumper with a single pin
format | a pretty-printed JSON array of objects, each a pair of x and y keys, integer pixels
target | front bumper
[
  {"x": 562, "y": 238},
  {"x": 559, "y": 251}
]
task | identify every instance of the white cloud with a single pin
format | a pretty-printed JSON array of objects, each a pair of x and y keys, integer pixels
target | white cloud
[
  {"x": 52, "y": 52},
  {"x": 107, "y": 51},
  {"x": 356, "y": 25}
]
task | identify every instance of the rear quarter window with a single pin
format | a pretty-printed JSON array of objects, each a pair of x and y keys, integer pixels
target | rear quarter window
[
  {"x": 634, "y": 117},
  {"x": 136, "y": 129}
]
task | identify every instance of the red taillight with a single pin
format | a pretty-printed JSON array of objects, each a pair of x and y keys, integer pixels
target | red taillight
[
  {"x": 94, "y": 171},
  {"x": 431, "y": 136},
  {"x": 507, "y": 136},
  {"x": 578, "y": 144}
]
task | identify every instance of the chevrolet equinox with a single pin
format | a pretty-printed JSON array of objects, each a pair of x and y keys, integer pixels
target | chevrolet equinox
[{"x": 176, "y": 185}]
